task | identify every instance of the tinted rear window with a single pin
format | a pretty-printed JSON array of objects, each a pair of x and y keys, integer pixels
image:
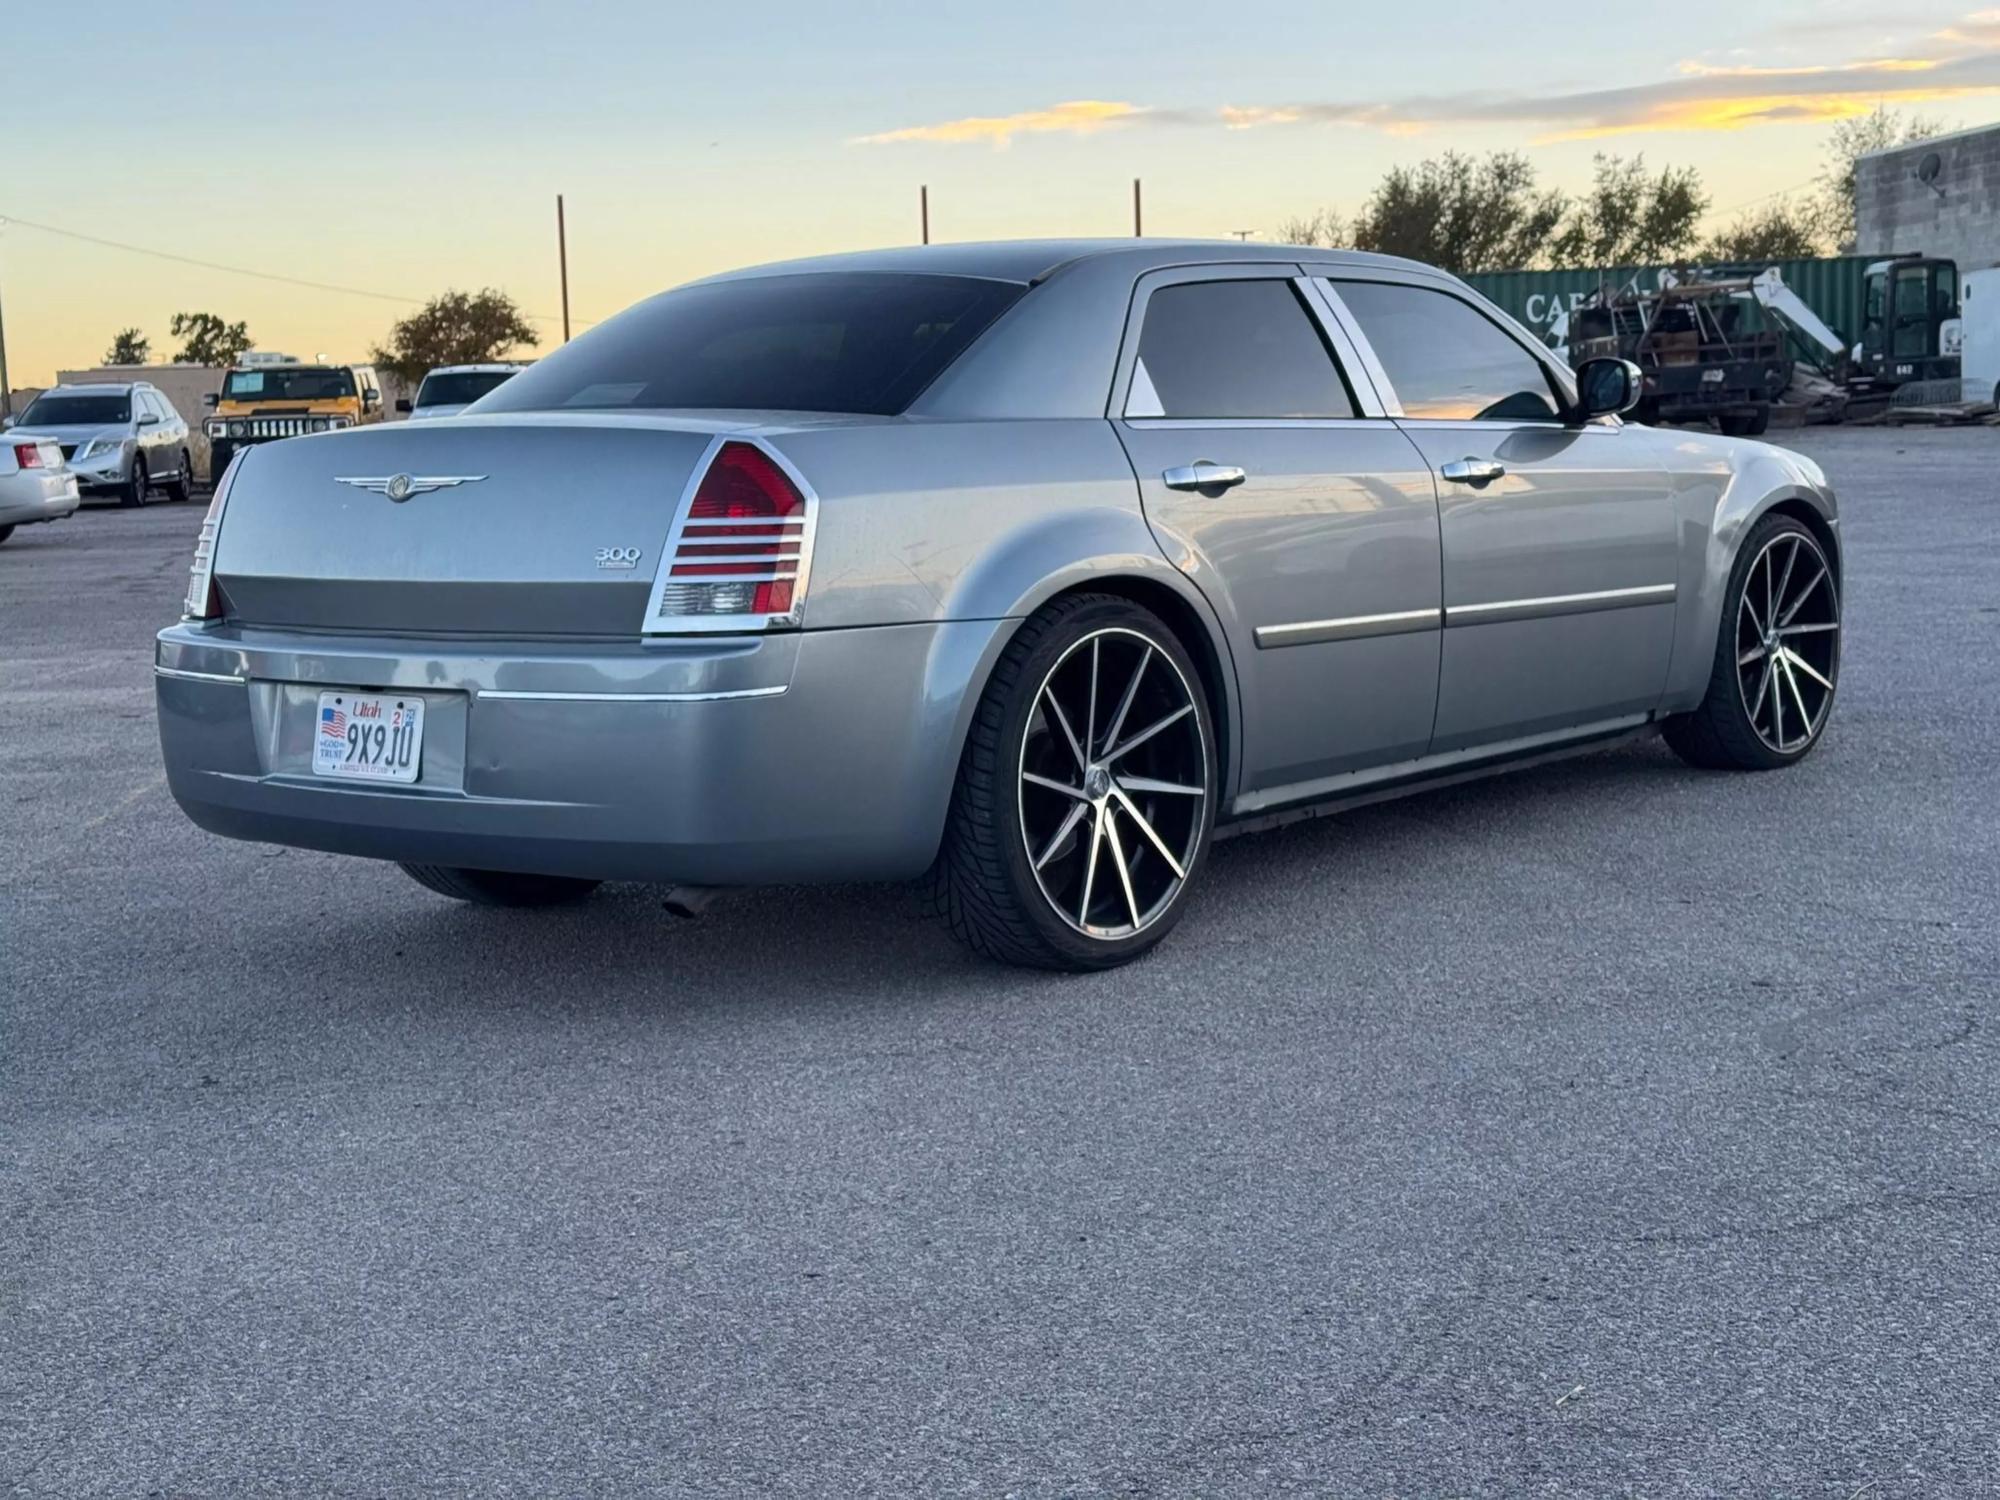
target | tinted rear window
[{"x": 840, "y": 342}]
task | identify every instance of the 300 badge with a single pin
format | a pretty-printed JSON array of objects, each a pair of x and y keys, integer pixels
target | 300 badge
[{"x": 625, "y": 558}]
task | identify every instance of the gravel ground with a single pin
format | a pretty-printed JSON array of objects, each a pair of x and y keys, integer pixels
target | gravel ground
[{"x": 1607, "y": 1129}]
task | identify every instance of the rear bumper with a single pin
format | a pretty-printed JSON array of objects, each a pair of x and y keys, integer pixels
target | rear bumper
[
  {"x": 31, "y": 496},
  {"x": 816, "y": 756}
]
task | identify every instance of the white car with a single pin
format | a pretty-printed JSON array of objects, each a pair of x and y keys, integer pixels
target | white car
[
  {"x": 449, "y": 389},
  {"x": 35, "y": 483}
]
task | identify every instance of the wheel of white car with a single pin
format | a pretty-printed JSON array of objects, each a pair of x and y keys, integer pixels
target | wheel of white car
[{"x": 1086, "y": 793}]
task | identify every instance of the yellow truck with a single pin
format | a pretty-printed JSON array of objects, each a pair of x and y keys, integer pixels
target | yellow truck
[{"x": 267, "y": 397}]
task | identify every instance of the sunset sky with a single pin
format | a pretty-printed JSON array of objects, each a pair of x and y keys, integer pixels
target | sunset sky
[{"x": 403, "y": 157}]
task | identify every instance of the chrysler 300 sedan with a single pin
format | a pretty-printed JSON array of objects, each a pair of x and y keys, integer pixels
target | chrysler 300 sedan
[{"x": 1023, "y": 568}]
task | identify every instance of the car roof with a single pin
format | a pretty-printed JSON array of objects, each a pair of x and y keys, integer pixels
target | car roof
[
  {"x": 485, "y": 369},
  {"x": 100, "y": 387},
  {"x": 1029, "y": 261}
]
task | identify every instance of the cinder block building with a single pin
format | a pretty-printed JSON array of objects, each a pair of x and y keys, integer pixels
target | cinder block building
[{"x": 1938, "y": 197}]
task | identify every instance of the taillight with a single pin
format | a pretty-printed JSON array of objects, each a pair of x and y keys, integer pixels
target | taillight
[
  {"x": 28, "y": 455},
  {"x": 738, "y": 555},
  {"x": 204, "y": 600}
]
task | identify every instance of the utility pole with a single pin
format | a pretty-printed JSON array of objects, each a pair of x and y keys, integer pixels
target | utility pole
[
  {"x": 1242, "y": 234},
  {"x": 1138, "y": 222},
  {"x": 6, "y": 390},
  {"x": 924, "y": 209},
  {"x": 562, "y": 260}
]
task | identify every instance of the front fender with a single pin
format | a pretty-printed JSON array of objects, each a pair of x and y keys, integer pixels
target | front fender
[{"x": 1723, "y": 488}]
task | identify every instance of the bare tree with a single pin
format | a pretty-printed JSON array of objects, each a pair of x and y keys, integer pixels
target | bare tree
[
  {"x": 1850, "y": 140},
  {"x": 1325, "y": 229}
]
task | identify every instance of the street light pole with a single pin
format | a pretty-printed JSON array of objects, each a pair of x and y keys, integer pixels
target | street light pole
[
  {"x": 1138, "y": 224},
  {"x": 924, "y": 210}
]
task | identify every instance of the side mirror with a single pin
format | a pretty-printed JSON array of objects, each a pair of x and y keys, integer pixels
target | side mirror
[
  {"x": 6, "y": 422},
  {"x": 403, "y": 404},
  {"x": 1607, "y": 387},
  {"x": 210, "y": 399},
  {"x": 147, "y": 419},
  {"x": 371, "y": 397}
]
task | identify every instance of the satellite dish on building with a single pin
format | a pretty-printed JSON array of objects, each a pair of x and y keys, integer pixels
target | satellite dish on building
[{"x": 1928, "y": 171}]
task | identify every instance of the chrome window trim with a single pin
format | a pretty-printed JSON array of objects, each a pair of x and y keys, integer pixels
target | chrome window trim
[
  {"x": 1561, "y": 604},
  {"x": 1351, "y": 628},
  {"x": 1226, "y": 424},
  {"x": 1561, "y": 380},
  {"x": 1341, "y": 350},
  {"x": 516, "y": 695},
  {"x": 182, "y": 674},
  {"x": 655, "y": 625}
]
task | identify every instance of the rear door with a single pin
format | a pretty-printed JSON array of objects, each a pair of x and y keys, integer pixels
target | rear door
[
  {"x": 1272, "y": 477},
  {"x": 1560, "y": 542}
]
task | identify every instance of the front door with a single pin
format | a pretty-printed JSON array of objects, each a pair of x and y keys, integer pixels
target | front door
[
  {"x": 1560, "y": 542},
  {"x": 1302, "y": 512}
]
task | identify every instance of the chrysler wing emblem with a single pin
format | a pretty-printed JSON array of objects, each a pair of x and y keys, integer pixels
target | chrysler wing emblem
[{"x": 400, "y": 487}]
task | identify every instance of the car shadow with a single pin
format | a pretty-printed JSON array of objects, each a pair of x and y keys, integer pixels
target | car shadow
[{"x": 849, "y": 947}]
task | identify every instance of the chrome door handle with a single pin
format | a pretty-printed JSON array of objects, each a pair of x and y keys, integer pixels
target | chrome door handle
[
  {"x": 1472, "y": 471},
  {"x": 1203, "y": 475}
]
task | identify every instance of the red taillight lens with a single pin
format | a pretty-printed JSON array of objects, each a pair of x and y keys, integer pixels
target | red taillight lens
[
  {"x": 28, "y": 455},
  {"x": 739, "y": 554},
  {"x": 204, "y": 600}
]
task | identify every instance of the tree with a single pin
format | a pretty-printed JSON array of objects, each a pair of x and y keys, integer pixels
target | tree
[
  {"x": 1631, "y": 218},
  {"x": 1461, "y": 214},
  {"x": 207, "y": 340},
  {"x": 1849, "y": 140},
  {"x": 1784, "y": 230},
  {"x": 130, "y": 347},
  {"x": 1324, "y": 229},
  {"x": 458, "y": 328}
]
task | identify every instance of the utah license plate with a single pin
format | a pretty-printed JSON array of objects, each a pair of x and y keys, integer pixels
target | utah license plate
[{"x": 369, "y": 737}]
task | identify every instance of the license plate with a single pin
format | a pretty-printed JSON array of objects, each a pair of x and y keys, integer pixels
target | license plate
[
  {"x": 1714, "y": 377},
  {"x": 369, "y": 737}
]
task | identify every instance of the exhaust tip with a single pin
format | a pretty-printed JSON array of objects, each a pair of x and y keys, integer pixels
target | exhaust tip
[{"x": 690, "y": 901}]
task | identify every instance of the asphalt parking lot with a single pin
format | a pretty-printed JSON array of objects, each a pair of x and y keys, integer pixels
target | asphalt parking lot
[{"x": 1609, "y": 1129}]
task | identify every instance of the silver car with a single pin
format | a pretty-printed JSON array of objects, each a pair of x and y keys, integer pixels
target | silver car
[
  {"x": 449, "y": 389},
  {"x": 121, "y": 438},
  {"x": 1023, "y": 568}
]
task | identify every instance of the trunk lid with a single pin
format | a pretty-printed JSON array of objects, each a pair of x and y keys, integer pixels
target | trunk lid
[{"x": 499, "y": 527}]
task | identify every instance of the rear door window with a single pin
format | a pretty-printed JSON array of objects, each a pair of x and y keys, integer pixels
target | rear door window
[
  {"x": 1237, "y": 349},
  {"x": 1447, "y": 360}
]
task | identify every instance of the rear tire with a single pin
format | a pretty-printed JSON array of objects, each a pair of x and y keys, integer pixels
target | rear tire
[
  {"x": 134, "y": 492},
  {"x": 1076, "y": 832},
  {"x": 499, "y": 887},
  {"x": 1779, "y": 639}
]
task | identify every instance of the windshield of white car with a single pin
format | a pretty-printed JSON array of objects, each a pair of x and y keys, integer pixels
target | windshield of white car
[
  {"x": 861, "y": 342},
  {"x": 288, "y": 385},
  {"x": 77, "y": 411},
  {"x": 458, "y": 387}
]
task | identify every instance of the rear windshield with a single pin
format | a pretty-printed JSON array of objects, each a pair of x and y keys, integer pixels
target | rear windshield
[
  {"x": 77, "y": 411},
  {"x": 861, "y": 342},
  {"x": 460, "y": 387},
  {"x": 288, "y": 385}
]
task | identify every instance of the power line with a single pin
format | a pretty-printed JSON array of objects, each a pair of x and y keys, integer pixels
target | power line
[{"x": 213, "y": 265}]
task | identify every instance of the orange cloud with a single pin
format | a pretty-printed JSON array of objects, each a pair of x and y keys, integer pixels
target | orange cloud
[{"x": 1075, "y": 117}]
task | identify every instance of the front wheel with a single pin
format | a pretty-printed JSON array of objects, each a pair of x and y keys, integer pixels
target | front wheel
[
  {"x": 1777, "y": 657},
  {"x": 1086, "y": 793},
  {"x": 498, "y": 887},
  {"x": 182, "y": 484},
  {"x": 136, "y": 485}
]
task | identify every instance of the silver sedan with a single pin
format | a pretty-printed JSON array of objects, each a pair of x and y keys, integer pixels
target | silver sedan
[{"x": 1027, "y": 569}]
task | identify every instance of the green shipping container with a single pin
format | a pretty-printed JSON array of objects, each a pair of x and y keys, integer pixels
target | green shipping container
[{"x": 1831, "y": 287}]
